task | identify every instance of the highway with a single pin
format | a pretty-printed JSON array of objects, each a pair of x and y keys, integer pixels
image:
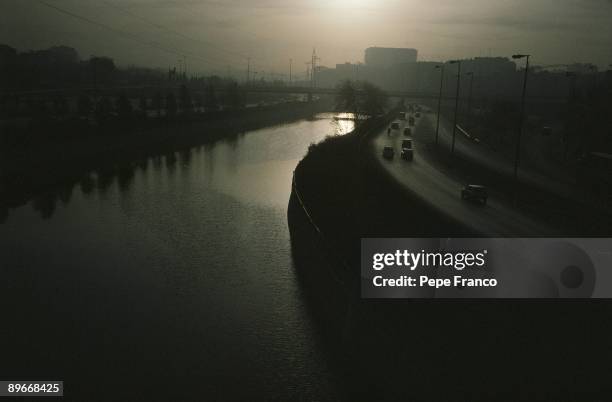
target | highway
[
  {"x": 468, "y": 149},
  {"x": 425, "y": 179}
]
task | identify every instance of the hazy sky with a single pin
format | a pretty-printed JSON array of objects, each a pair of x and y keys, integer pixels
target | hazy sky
[{"x": 216, "y": 34}]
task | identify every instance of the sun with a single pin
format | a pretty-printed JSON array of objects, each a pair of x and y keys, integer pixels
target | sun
[{"x": 350, "y": 4}]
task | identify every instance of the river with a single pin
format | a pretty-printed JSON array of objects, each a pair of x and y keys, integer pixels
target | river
[{"x": 175, "y": 279}]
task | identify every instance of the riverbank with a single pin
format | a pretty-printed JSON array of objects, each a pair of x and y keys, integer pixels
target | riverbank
[
  {"x": 339, "y": 196},
  {"x": 409, "y": 349},
  {"x": 57, "y": 160},
  {"x": 350, "y": 197}
]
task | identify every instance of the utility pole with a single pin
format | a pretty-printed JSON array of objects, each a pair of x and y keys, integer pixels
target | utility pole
[
  {"x": 441, "y": 67},
  {"x": 313, "y": 79},
  {"x": 458, "y": 62},
  {"x": 313, "y": 63},
  {"x": 469, "y": 105},
  {"x": 522, "y": 115},
  {"x": 248, "y": 70},
  {"x": 93, "y": 61},
  {"x": 308, "y": 75},
  {"x": 570, "y": 103}
]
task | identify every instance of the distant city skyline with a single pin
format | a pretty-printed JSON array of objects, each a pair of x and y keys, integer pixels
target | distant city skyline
[{"x": 219, "y": 36}]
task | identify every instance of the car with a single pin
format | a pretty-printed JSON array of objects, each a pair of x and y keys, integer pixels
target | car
[
  {"x": 388, "y": 152},
  {"x": 475, "y": 192},
  {"x": 402, "y": 115},
  {"x": 407, "y": 154},
  {"x": 546, "y": 131},
  {"x": 407, "y": 144},
  {"x": 407, "y": 131},
  {"x": 411, "y": 121},
  {"x": 418, "y": 114},
  {"x": 395, "y": 125}
]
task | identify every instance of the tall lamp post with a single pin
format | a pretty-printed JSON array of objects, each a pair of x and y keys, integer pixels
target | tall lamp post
[
  {"x": 521, "y": 118},
  {"x": 458, "y": 63},
  {"x": 469, "y": 105},
  {"x": 441, "y": 68},
  {"x": 594, "y": 72},
  {"x": 570, "y": 101}
]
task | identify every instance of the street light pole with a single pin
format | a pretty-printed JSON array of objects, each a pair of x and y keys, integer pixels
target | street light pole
[
  {"x": 441, "y": 67},
  {"x": 469, "y": 105},
  {"x": 570, "y": 102},
  {"x": 521, "y": 118},
  {"x": 458, "y": 62}
]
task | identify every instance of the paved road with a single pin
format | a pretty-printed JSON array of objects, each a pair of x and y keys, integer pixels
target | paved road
[
  {"x": 422, "y": 178},
  {"x": 484, "y": 156}
]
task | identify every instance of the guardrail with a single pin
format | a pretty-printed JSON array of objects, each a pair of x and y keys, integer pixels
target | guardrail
[
  {"x": 322, "y": 238},
  {"x": 329, "y": 250}
]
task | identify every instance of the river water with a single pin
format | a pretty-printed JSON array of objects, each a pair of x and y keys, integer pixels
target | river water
[{"x": 175, "y": 279}]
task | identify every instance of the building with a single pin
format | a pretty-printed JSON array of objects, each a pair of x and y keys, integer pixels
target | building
[{"x": 385, "y": 57}]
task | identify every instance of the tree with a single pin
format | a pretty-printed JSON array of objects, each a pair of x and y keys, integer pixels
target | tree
[
  {"x": 171, "y": 106},
  {"x": 103, "y": 110},
  {"x": 198, "y": 100},
  {"x": 60, "y": 106},
  {"x": 102, "y": 69},
  {"x": 84, "y": 105},
  {"x": 124, "y": 107},
  {"x": 363, "y": 100},
  {"x": 143, "y": 103},
  {"x": 346, "y": 100},
  {"x": 185, "y": 100},
  {"x": 210, "y": 98},
  {"x": 234, "y": 96},
  {"x": 373, "y": 100},
  {"x": 156, "y": 103}
]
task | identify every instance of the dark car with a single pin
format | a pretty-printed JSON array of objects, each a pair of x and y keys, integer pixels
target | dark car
[
  {"x": 475, "y": 192},
  {"x": 407, "y": 143},
  {"x": 407, "y": 131},
  {"x": 407, "y": 154},
  {"x": 418, "y": 114},
  {"x": 388, "y": 153},
  {"x": 411, "y": 121}
]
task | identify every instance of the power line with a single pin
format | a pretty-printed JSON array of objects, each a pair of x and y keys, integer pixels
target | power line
[
  {"x": 122, "y": 33},
  {"x": 236, "y": 28},
  {"x": 172, "y": 31}
]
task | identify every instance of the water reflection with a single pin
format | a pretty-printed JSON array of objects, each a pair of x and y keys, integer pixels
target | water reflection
[
  {"x": 104, "y": 179},
  {"x": 87, "y": 184},
  {"x": 3, "y": 214},
  {"x": 45, "y": 205},
  {"x": 185, "y": 156},
  {"x": 201, "y": 258},
  {"x": 254, "y": 168},
  {"x": 143, "y": 164},
  {"x": 125, "y": 177},
  {"x": 65, "y": 193}
]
